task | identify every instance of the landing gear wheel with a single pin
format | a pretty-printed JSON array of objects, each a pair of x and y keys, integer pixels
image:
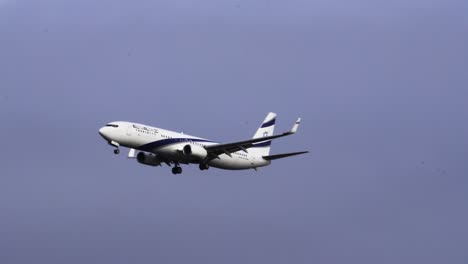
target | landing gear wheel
[
  {"x": 176, "y": 170},
  {"x": 203, "y": 166},
  {"x": 116, "y": 151}
]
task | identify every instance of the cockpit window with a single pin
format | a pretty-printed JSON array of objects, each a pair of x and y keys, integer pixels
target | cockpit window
[{"x": 112, "y": 125}]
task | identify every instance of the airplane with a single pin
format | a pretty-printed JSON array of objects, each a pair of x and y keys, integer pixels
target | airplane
[{"x": 157, "y": 146}]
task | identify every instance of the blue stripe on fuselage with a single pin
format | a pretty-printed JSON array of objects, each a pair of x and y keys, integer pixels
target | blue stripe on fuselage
[{"x": 166, "y": 142}]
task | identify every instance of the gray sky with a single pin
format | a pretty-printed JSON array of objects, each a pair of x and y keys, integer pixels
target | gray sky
[{"x": 381, "y": 87}]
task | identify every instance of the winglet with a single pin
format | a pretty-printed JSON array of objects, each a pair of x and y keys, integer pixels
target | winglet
[{"x": 295, "y": 126}]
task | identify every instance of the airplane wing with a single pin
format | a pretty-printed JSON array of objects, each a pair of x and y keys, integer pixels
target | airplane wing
[
  {"x": 280, "y": 156},
  {"x": 227, "y": 148}
]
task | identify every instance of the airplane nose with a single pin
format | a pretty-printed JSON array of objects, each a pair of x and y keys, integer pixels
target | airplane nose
[{"x": 102, "y": 132}]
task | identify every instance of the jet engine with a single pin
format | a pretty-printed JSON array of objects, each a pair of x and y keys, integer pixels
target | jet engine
[
  {"x": 148, "y": 159},
  {"x": 195, "y": 152}
]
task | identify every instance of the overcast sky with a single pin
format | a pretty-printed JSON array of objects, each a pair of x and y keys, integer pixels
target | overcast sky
[{"x": 382, "y": 87}]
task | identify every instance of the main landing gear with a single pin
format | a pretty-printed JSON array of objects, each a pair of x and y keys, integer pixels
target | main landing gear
[
  {"x": 204, "y": 166},
  {"x": 116, "y": 151},
  {"x": 177, "y": 170}
]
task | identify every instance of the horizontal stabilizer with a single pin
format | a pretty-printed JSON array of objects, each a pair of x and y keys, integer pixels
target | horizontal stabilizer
[{"x": 280, "y": 156}]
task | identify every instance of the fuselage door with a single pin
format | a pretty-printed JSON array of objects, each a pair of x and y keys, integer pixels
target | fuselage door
[{"x": 129, "y": 130}]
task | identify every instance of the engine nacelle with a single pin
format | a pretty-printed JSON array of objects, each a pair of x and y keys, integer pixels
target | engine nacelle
[
  {"x": 148, "y": 159},
  {"x": 195, "y": 152}
]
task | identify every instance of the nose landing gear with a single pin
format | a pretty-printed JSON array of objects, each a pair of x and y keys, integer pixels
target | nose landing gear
[{"x": 116, "y": 145}]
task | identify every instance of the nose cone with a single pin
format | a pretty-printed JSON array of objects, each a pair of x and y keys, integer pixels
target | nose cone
[{"x": 102, "y": 132}]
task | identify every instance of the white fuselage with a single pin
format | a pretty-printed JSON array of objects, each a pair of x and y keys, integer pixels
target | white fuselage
[{"x": 169, "y": 145}]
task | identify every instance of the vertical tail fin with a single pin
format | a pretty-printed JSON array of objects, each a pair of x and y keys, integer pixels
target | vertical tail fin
[{"x": 266, "y": 129}]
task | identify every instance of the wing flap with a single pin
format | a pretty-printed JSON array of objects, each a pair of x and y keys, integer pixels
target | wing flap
[{"x": 131, "y": 154}]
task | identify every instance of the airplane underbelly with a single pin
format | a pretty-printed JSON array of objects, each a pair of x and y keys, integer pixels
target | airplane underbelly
[{"x": 228, "y": 163}]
